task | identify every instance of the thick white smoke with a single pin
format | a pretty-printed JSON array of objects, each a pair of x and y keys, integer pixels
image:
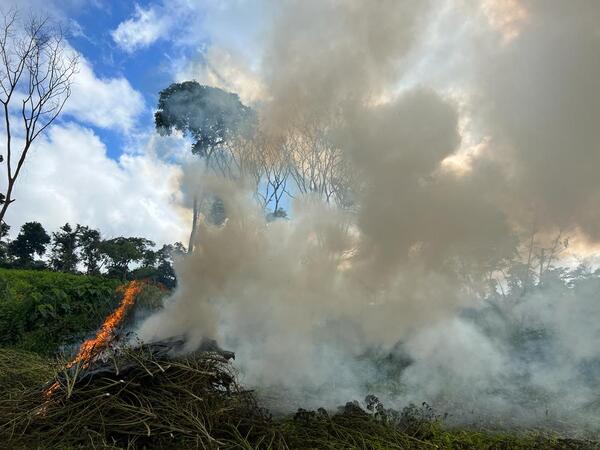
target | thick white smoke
[{"x": 314, "y": 303}]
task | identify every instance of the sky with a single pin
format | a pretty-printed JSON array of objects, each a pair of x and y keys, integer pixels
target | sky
[{"x": 102, "y": 164}]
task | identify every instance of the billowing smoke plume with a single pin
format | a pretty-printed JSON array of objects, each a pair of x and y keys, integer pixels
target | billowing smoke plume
[
  {"x": 542, "y": 103},
  {"x": 408, "y": 293}
]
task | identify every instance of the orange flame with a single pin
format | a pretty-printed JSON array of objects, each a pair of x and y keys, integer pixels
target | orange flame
[{"x": 106, "y": 333}]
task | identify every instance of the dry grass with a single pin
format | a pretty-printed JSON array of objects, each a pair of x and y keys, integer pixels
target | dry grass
[
  {"x": 145, "y": 401},
  {"x": 194, "y": 402}
]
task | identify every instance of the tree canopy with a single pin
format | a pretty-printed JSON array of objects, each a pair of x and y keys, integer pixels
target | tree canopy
[
  {"x": 120, "y": 252},
  {"x": 81, "y": 249},
  {"x": 32, "y": 240},
  {"x": 88, "y": 241},
  {"x": 64, "y": 249},
  {"x": 209, "y": 115}
]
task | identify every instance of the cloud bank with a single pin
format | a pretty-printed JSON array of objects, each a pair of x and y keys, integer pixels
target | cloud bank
[{"x": 70, "y": 178}]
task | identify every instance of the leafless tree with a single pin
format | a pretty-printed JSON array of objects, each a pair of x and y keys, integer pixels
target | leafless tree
[
  {"x": 36, "y": 74},
  {"x": 317, "y": 166},
  {"x": 257, "y": 158},
  {"x": 300, "y": 161},
  {"x": 271, "y": 170}
]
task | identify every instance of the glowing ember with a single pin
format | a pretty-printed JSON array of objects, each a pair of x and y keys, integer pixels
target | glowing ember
[{"x": 106, "y": 333}]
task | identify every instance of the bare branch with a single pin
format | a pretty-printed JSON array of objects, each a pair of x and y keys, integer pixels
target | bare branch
[{"x": 35, "y": 68}]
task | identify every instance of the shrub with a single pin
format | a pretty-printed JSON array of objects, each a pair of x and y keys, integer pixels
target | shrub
[{"x": 40, "y": 310}]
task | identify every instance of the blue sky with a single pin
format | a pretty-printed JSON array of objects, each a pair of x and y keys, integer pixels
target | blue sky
[
  {"x": 102, "y": 163},
  {"x": 160, "y": 42},
  {"x": 148, "y": 69}
]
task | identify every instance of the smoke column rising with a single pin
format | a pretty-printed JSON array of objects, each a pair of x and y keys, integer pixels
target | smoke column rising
[{"x": 307, "y": 303}]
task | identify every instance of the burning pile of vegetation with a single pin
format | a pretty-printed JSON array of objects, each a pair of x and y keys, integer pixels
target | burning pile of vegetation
[
  {"x": 152, "y": 396},
  {"x": 111, "y": 395},
  {"x": 138, "y": 395},
  {"x": 144, "y": 398}
]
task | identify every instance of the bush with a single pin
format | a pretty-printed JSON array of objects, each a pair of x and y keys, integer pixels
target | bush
[{"x": 41, "y": 310}]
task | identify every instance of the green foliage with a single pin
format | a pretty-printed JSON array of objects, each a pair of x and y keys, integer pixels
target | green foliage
[
  {"x": 32, "y": 240},
  {"x": 217, "y": 212},
  {"x": 4, "y": 229},
  {"x": 88, "y": 241},
  {"x": 41, "y": 310},
  {"x": 279, "y": 213},
  {"x": 209, "y": 115},
  {"x": 4, "y": 257},
  {"x": 157, "y": 266},
  {"x": 122, "y": 251},
  {"x": 64, "y": 249},
  {"x": 150, "y": 299}
]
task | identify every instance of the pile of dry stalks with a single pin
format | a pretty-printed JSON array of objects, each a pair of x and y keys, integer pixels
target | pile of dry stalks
[
  {"x": 143, "y": 398},
  {"x": 133, "y": 398}
]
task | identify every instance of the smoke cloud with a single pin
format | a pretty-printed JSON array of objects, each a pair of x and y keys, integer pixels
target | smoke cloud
[
  {"x": 400, "y": 295},
  {"x": 541, "y": 106}
]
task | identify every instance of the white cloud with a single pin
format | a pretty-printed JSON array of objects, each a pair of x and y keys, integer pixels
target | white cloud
[
  {"x": 144, "y": 28},
  {"x": 69, "y": 178},
  {"x": 104, "y": 102},
  {"x": 229, "y": 36},
  {"x": 55, "y": 9},
  {"x": 226, "y": 70},
  {"x": 109, "y": 102}
]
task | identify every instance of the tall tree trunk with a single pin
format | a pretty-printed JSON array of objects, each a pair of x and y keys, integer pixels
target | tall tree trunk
[{"x": 194, "y": 225}]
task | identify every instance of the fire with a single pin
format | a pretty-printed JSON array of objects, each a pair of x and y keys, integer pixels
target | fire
[{"x": 105, "y": 335}]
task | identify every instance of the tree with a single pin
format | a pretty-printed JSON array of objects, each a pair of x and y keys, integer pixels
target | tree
[
  {"x": 36, "y": 74},
  {"x": 149, "y": 257},
  {"x": 211, "y": 116},
  {"x": 214, "y": 119},
  {"x": 88, "y": 242},
  {"x": 158, "y": 265},
  {"x": 64, "y": 249},
  {"x": 165, "y": 274},
  {"x": 318, "y": 166},
  {"x": 120, "y": 252},
  {"x": 32, "y": 240},
  {"x": 271, "y": 170}
]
